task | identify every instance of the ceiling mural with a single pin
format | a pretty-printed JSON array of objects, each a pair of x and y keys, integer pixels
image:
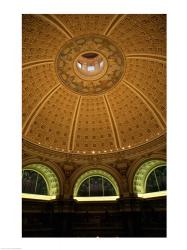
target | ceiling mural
[{"x": 94, "y": 84}]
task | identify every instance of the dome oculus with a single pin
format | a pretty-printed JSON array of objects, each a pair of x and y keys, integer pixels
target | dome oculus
[{"x": 90, "y": 64}]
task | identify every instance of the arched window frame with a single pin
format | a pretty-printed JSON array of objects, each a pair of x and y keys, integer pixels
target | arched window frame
[
  {"x": 145, "y": 184},
  {"x": 141, "y": 176},
  {"x": 49, "y": 177},
  {"x": 92, "y": 173},
  {"x": 30, "y": 169}
]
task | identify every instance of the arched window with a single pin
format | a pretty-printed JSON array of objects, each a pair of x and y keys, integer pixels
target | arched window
[
  {"x": 156, "y": 180},
  {"x": 33, "y": 183},
  {"x": 90, "y": 68},
  {"x": 39, "y": 182},
  {"x": 96, "y": 185},
  {"x": 150, "y": 179}
]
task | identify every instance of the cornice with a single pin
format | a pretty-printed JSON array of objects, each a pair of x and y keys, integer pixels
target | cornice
[{"x": 107, "y": 158}]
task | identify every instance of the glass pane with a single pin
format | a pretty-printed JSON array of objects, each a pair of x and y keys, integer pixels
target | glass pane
[
  {"x": 41, "y": 186},
  {"x": 101, "y": 64},
  {"x": 84, "y": 189},
  {"x": 108, "y": 188},
  {"x": 33, "y": 183},
  {"x": 29, "y": 181},
  {"x": 91, "y": 68},
  {"x": 79, "y": 65},
  {"x": 151, "y": 185},
  {"x": 96, "y": 186},
  {"x": 161, "y": 177}
]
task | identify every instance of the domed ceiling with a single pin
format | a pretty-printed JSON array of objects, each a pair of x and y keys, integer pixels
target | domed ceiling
[{"x": 94, "y": 84}]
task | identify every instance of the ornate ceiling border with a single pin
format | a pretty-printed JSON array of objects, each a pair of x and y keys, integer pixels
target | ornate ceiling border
[{"x": 152, "y": 146}]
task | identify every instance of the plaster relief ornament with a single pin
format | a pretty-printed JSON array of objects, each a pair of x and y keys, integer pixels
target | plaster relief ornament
[{"x": 90, "y": 64}]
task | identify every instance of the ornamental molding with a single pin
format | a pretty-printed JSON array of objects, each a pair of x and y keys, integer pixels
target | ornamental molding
[
  {"x": 67, "y": 72},
  {"x": 154, "y": 146}
]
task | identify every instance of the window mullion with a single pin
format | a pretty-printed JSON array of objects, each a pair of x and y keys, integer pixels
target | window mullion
[
  {"x": 36, "y": 183},
  {"x": 156, "y": 181},
  {"x": 103, "y": 187}
]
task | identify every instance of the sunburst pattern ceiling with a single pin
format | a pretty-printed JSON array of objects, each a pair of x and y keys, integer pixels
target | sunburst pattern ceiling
[{"x": 123, "y": 109}]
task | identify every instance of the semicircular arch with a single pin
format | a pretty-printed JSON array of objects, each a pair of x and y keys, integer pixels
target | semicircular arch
[
  {"x": 48, "y": 175},
  {"x": 141, "y": 175},
  {"x": 53, "y": 166},
  {"x": 111, "y": 172}
]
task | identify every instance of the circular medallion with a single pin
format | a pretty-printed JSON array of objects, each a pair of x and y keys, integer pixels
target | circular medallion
[{"x": 90, "y": 65}]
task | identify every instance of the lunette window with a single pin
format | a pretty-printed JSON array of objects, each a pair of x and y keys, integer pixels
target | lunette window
[
  {"x": 156, "y": 180},
  {"x": 33, "y": 183},
  {"x": 96, "y": 186}
]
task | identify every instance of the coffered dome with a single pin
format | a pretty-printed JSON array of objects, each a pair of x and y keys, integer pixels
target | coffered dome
[{"x": 94, "y": 84}]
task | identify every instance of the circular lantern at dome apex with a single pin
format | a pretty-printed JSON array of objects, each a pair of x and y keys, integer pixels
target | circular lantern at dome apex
[{"x": 90, "y": 64}]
